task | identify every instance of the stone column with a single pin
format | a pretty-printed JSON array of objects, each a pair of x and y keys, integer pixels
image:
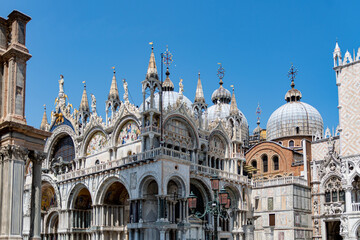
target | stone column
[
  {"x": 12, "y": 161},
  {"x": 348, "y": 199},
  {"x": 162, "y": 234},
  {"x": 35, "y": 215}
]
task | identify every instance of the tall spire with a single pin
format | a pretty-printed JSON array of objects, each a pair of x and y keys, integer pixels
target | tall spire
[
  {"x": 337, "y": 48},
  {"x": 84, "y": 105},
  {"x": 114, "y": 92},
  {"x": 233, "y": 107},
  {"x": 44, "y": 121},
  {"x": 199, "y": 96},
  {"x": 152, "y": 70}
]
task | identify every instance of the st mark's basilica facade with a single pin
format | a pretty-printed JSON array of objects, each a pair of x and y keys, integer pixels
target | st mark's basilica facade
[{"x": 135, "y": 172}]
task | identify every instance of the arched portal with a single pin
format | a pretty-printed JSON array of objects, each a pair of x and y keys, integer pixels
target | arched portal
[
  {"x": 203, "y": 194},
  {"x": 81, "y": 213},
  {"x": 114, "y": 211},
  {"x": 150, "y": 206},
  {"x": 52, "y": 225}
]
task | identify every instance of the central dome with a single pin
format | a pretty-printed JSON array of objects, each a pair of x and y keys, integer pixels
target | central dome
[{"x": 294, "y": 118}]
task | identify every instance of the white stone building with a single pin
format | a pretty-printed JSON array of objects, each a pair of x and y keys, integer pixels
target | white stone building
[{"x": 128, "y": 176}]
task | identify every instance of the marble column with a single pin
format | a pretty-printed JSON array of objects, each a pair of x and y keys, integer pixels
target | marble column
[
  {"x": 348, "y": 205},
  {"x": 35, "y": 215},
  {"x": 12, "y": 162},
  {"x": 162, "y": 234}
]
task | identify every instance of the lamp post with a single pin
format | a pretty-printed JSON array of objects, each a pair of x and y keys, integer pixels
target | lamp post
[{"x": 217, "y": 207}]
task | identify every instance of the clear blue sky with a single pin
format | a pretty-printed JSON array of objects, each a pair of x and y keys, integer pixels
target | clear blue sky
[{"x": 256, "y": 41}]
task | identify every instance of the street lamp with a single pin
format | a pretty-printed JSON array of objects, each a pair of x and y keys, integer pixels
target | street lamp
[{"x": 217, "y": 207}]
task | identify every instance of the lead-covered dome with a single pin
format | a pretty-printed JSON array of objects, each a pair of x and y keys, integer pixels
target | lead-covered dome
[{"x": 294, "y": 118}]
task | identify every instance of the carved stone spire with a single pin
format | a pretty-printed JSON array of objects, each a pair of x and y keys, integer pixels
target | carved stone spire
[
  {"x": 152, "y": 70},
  {"x": 84, "y": 105},
  {"x": 199, "y": 96},
  {"x": 233, "y": 107},
  {"x": 44, "y": 121},
  {"x": 114, "y": 92}
]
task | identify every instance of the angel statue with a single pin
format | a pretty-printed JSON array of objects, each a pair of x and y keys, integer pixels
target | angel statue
[
  {"x": 93, "y": 103},
  {"x": 126, "y": 94},
  {"x": 61, "y": 84},
  {"x": 181, "y": 87}
]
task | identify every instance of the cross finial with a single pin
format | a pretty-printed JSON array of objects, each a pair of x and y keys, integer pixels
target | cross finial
[
  {"x": 44, "y": 107},
  {"x": 167, "y": 57},
  {"x": 113, "y": 69},
  {"x": 292, "y": 75},
  {"x": 221, "y": 73},
  {"x": 258, "y": 113},
  {"x": 84, "y": 84},
  {"x": 152, "y": 45}
]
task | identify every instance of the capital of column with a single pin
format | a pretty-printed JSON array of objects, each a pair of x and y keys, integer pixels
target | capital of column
[
  {"x": 37, "y": 156},
  {"x": 12, "y": 152}
]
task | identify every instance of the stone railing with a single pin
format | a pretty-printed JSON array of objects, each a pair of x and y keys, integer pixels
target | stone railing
[
  {"x": 280, "y": 181},
  {"x": 355, "y": 207},
  {"x": 150, "y": 129},
  {"x": 196, "y": 168},
  {"x": 148, "y": 155}
]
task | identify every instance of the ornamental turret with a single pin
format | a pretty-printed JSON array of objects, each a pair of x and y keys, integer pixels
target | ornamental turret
[
  {"x": 84, "y": 110},
  {"x": 151, "y": 115},
  {"x": 113, "y": 101},
  {"x": 199, "y": 106},
  {"x": 44, "y": 122}
]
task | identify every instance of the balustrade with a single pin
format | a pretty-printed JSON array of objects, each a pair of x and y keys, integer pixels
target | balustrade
[
  {"x": 280, "y": 181},
  {"x": 356, "y": 207},
  {"x": 223, "y": 174},
  {"x": 81, "y": 219}
]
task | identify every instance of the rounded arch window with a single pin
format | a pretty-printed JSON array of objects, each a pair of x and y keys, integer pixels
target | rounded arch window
[
  {"x": 265, "y": 163},
  {"x": 291, "y": 143},
  {"x": 254, "y": 163},
  {"x": 275, "y": 162},
  {"x": 64, "y": 148}
]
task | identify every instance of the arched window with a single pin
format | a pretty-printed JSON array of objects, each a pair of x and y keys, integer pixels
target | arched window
[
  {"x": 334, "y": 191},
  {"x": 356, "y": 190},
  {"x": 291, "y": 143},
  {"x": 265, "y": 163},
  {"x": 254, "y": 163},
  {"x": 276, "y": 162},
  {"x": 297, "y": 129},
  {"x": 64, "y": 148}
]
